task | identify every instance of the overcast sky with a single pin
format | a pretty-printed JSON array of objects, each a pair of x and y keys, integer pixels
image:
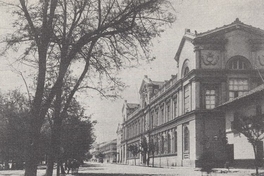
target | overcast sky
[{"x": 199, "y": 15}]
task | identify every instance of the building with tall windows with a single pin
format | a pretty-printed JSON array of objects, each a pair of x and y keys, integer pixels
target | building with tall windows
[
  {"x": 187, "y": 115},
  {"x": 108, "y": 149}
]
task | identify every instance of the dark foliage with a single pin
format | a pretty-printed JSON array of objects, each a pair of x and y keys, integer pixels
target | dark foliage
[{"x": 253, "y": 128}]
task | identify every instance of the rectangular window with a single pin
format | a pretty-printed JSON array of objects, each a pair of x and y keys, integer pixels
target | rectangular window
[
  {"x": 186, "y": 98},
  {"x": 152, "y": 118},
  {"x": 156, "y": 145},
  {"x": 157, "y": 117},
  {"x": 169, "y": 143},
  {"x": 162, "y": 115},
  {"x": 237, "y": 87},
  {"x": 175, "y": 107},
  {"x": 162, "y": 145},
  {"x": 145, "y": 124},
  {"x": 210, "y": 98},
  {"x": 175, "y": 143},
  {"x": 168, "y": 111}
]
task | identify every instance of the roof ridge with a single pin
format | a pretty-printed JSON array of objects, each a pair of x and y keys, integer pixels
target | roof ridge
[{"x": 236, "y": 22}]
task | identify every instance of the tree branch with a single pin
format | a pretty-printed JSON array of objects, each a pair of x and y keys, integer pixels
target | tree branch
[{"x": 29, "y": 20}]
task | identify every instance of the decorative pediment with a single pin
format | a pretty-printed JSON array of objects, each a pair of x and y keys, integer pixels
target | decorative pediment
[
  {"x": 236, "y": 25},
  {"x": 145, "y": 82}
]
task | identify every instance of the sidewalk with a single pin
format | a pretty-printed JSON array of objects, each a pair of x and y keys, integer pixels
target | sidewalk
[
  {"x": 19, "y": 172},
  {"x": 116, "y": 169}
]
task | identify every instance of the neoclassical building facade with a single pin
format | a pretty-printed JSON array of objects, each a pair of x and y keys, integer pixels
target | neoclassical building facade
[{"x": 181, "y": 116}]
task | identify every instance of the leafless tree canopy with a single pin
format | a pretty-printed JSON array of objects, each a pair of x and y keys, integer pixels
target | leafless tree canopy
[{"x": 101, "y": 36}]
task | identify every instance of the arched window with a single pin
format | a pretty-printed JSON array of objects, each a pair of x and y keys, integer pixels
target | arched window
[
  {"x": 186, "y": 98},
  {"x": 168, "y": 112},
  {"x": 162, "y": 117},
  {"x": 169, "y": 143},
  {"x": 186, "y": 71},
  {"x": 238, "y": 63},
  {"x": 175, "y": 142},
  {"x": 185, "y": 68},
  {"x": 186, "y": 139}
]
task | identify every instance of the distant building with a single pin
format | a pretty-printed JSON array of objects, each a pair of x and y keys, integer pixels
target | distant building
[
  {"x": 108, "y": 149},
  {"x": 187, "y": 115},
  {"x": 118, "y": 144},
  {"x": 94, "y": 151}
]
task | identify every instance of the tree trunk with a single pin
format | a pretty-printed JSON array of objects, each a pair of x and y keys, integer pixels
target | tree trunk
[
  {"x": 32, "y": 154},
  {"x": 58, "y": 167},
  {"x": 152, "y": 159},
  {"x": 54, "y": 150},
  {"x": 6, "y": 158},
  {"x": 62, "y": 168},
  {"x": 56, "y": 128},
  {"x": 148, "y": 161},
  {"x": 256, "y": 158},
  {"x": 36, "y": 118},
  {"x": 144, "y": 158},
  {"x": 50, "y": 164},
  {"x": 148, "y": 157},
  {"x": 6, "y": 165}
]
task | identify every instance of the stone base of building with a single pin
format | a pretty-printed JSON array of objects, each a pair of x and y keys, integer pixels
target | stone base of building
[
  {"x": 171, "y": 161},
  {"x": 134, "y": 162},
  {"x": 243, "y": 163},
  {"x": 216, "y": 164}
]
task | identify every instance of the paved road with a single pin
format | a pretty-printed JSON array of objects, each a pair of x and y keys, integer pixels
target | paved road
[
  {"x": 96, "y": 169},
  {"x": 117, "y": 169}
]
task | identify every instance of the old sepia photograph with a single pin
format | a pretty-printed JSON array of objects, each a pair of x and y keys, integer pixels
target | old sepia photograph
[{"x": 132, "y": 88}]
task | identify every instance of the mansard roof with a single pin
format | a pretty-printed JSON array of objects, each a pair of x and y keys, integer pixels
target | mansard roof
[
  {"x": 132, "y": 105},
  {"x": 216, "y": 34},
  {"x": 148, "y": 81},
  {"x": 113, "y": 141}
]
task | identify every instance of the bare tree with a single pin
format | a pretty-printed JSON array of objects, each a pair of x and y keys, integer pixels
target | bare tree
[{"x": 103, "y": 36}]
